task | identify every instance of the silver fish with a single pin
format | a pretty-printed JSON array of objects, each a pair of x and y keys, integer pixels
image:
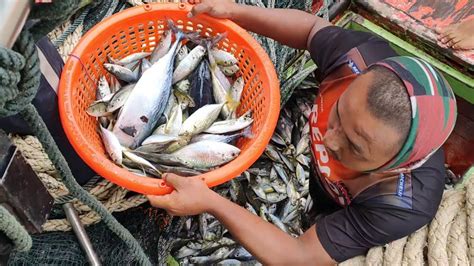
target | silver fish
[
  {"x": 145, "y": 65},
  {"x": 175, "y": 121},
  {"x": 200, "y": 120},
  {"x": 132, "y": 58},
  {"x": 189, "y": 63},
  {"x": 112, "y": 145},
  {"x": 203, "y": 154},
  {"x": 229, "y": 262},
  {"x": 303, "y": 145},
  {"x": 121, "y": 72},
  {"x": 163, "y": 47},
  {"x": 250, "y": 208},
  {"x": 223, "y": 58},
  {"x": 98, "y": 109},
  {"x": 276, "y": 221},
  {"x": 217, "y": 255},
  {"x": 119, "y": 98},
  {"x": 138, "y": 160},
  {"x": 159, "y": 139},
  {"x": 103, "y": 88},
  {"x": 147, "y": 101},
  {"x": 232, "y": 125},
  {"x": 237, "y": 88},
  {"x": 184, "y": 85},
  {"x": 247, "y": 133},
  {"x": 230, "y": 70},
  {"x": 182, "y": 53},
  {"x": 300, "y": 174}
]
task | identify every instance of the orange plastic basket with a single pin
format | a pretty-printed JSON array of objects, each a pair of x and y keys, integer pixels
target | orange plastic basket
[{"x": 138, "y": 29}]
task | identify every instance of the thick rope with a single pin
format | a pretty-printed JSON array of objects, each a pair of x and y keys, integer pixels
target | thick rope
[
  {"x": 19, "y": 75},
  {"x": 16, "y": 97},
  {"x": 440, "y": 226},
  {"x": 413, "y": 252},
  {"x": 32, "y": 118},
  {"x": 14, "y": 230},
  {"x": 394, "y": 252},
  {"x": 457, "y": 240}
]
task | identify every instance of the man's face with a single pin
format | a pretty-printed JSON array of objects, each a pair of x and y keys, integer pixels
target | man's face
[{"x": 354, "y": 136}]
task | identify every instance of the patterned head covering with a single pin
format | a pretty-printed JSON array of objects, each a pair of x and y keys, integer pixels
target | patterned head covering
[{"x": 433, "y": 108}]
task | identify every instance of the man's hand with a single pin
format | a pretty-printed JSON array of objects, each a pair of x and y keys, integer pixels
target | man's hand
[
  {"x": 191, "y": 196},
  {"x": 214, "y": 8}
]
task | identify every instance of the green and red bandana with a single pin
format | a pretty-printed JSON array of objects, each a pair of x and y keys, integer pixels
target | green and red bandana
[{"x": 434, "y": 111}]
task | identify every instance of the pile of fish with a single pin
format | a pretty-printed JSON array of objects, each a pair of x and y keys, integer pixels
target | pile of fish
[
  {"x": 276, "y": 188},
  {"x": 173, "y": 109}
]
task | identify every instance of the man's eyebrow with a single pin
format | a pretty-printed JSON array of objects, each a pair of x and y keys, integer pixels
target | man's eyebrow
[{"x": 358, "y": 132}]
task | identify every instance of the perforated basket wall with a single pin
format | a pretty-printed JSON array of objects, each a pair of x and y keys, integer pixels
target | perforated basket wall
[{"x": 139, "y": 29}]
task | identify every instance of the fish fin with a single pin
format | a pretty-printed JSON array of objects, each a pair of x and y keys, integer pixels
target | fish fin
[
  {"x": 218, "y": 38},
  {"x": 231, "y": 103},
  {"x": 181, "y": 34},
  {"x": 247, "y": 133}
]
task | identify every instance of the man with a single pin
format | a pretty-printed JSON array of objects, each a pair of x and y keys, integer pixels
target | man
[{"x": 376, "y": 129}]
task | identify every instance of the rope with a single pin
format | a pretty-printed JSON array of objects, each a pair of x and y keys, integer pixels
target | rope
[
  {"x": 14, "y": 230},
  {"x": 394, "y": 252},
  {"x": 97, "y": 187},
  {"x": 440, "y": 226},
  {"x": 16, "y": 94},
  {"x": 413, "y": 253},
  {"x": 72, "y": 28},
  {"x": 32, "y": 118},
  {"x": 19, "y": 75}
]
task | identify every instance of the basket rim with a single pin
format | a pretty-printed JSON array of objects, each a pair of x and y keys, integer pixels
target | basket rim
[{"x": 149, "y": 185}]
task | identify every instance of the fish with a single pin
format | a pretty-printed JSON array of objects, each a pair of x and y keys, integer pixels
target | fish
[
  {"x": 217, "y": 255},
  {"x": 147, "y": 101},
  {"x": 184, "y": 100},
  {"x": 138, "y": 160},
  {"x": 221, "y": 88},
  {"x": 163, "y": 47},
  {"x": 175, "y": 121},
  {"x": 112, "y": 145},
  {"x": 121, "y": 72},
  {"x": 182, "y": 53},
  {"x": 98, "y": 109},
  {"x": 200, "y": 120},
  {"x": 201, "y": 87},
  {"x": 183, "y": 86},
  {"x": 246, "y": 133},
  {"x": 189, "y": 63},
  {"x": 232, "y": 125},
  {"x": 230, "y": 70},
  {"x": 132, "y": 58},
  {"x": 237, "y": 88},
  {"x": 223, "y": 58},
  {"x": 229, "y": 262},
  {"x": 103, "y": 89},
  {"x": 202, "y": 155},
  {"x": 119, "y": 98},
  {"x": 145, "y": 65}
]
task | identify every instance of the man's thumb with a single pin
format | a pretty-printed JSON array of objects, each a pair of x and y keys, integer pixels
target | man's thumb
[{"x": 199, "y": 9}]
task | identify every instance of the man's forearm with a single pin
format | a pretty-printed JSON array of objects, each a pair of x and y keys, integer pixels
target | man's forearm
[
  {"x": 265, "y": 241},
  {"x": 289, "y": 26}
]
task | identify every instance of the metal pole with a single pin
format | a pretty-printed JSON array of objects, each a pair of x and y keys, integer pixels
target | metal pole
[{"x": 81, "y": 234}]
